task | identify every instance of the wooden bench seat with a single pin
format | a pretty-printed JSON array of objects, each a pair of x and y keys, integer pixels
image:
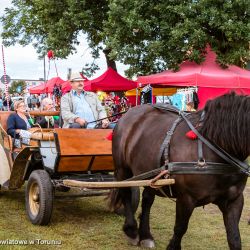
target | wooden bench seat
[{"x": 4, "y": 117}]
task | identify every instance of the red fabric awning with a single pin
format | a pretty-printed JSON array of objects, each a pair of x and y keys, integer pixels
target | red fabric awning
[
  {"x": 110, "y": 80},
  {"x": 50, "y": 84},
  {"x": 66, "y": 87},
  {"x": 205, "y": 94},
  {"x": 47, "y": 87},
  {"x": 207, "y": 74},
  {"x": 37, "y": 89}
]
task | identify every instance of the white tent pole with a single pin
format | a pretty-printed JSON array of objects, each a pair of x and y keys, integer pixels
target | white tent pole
[{"x": 136, "y": 100}]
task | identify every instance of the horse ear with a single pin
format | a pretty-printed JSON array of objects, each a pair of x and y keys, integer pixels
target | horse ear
[{"x": 191, "y": 135}]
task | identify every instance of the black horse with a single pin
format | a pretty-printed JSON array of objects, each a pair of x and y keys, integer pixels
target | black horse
[{"x": 136, "y": 145}]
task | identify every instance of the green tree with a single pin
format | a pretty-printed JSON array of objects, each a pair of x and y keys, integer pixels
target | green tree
[
  {"x": 17, "y": 87},
  {"x": 149, "y": 36},
  {"x": 154, "y": 35},
  {"x": 56, "y": 25}
]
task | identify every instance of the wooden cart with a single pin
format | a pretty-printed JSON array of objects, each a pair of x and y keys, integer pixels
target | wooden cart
[{"x": 59, "y": 159}]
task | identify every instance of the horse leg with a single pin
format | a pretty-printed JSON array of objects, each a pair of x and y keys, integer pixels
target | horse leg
[
  {"x": 231, "y": 214},
  {"x": 184, "y": 210},
  {"x": 130, "y": 225},
  {"x": 146, "y": 239}
]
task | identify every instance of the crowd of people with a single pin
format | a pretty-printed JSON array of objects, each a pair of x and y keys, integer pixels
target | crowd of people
[
  {"x": 33, "y": 102},
  {"x": 79, "y": 109}
]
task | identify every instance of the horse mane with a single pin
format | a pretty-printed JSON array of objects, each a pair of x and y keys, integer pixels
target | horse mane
[{"x": 227, "y": 123}]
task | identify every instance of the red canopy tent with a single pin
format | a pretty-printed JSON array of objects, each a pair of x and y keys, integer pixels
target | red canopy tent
[
  {"x": 37, "y": 89},
  {"x": 208, "y": 75},
  {"x": 205, "y": 94},
  {"x": 50, "y": 84},
  {"x": 110, "y": 80},
  {"x": 66, "y": 87},
  {"x": 47, "y": 87}
]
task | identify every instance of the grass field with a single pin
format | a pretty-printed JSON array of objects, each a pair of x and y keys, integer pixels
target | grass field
[{"x": 86, "y": 223}]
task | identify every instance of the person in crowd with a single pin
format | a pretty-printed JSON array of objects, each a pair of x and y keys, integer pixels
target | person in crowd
[
  {"x": 1, "y": 103},
  {"x": 18, "y": 124},
  {"x": 190, "y": 107},
  {"x": 47, "y": 121},
  {"x": 5, "y": 104},
  {"x": 37, "y": 106},
  {"x": 29, "y": 102},
  {"x": 79, "y": 107}
]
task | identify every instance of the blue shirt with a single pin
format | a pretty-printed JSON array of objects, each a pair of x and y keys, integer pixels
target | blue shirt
[{"x": 83, "y": 109}]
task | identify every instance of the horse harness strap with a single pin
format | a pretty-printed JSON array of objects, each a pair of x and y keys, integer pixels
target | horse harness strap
[
  {"x": 147, "y": 175},
  {"x": 164, "y": 149},
  {"x": 206, "y": 168},
  {"x": 201, "y": 160},
  {"x": 244, "y": 167},
  {"x": 235, "y": 166}
]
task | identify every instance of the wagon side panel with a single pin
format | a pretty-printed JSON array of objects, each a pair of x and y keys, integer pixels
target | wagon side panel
[{"x": 82, "y": 150}]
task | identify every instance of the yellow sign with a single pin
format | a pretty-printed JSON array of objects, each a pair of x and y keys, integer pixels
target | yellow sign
[{"x": 156, "y": 92}]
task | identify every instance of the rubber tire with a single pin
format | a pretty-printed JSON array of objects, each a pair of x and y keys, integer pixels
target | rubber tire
[
  {"x": 135, "y": 201},
  {"x": 46, "y": 195}
]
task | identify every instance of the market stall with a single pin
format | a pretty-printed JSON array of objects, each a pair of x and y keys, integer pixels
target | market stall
[
  {"x": 207, "y": 76},
  {"x": 110, "y": 81},
  {"x": 47, "y": 87},
  {"x": 37, "y": 89}
]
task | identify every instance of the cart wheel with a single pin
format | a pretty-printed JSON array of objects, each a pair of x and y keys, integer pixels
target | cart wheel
[
  {"x": 39, "y": 197},
  {"x": 135, "y": 201}
]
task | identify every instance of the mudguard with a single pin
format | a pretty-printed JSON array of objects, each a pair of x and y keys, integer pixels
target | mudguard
[{"x": 20, "y": 167}]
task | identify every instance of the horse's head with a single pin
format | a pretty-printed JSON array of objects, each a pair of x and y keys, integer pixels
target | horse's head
[{"x": 227, "y": 123}]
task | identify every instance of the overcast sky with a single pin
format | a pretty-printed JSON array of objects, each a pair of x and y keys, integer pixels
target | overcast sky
[{"x": 22, "y": 62}]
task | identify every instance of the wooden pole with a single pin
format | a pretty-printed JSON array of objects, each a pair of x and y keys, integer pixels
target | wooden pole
[
  {"x": 117, "y": 184},
  {"x": 44, "y": 113}
]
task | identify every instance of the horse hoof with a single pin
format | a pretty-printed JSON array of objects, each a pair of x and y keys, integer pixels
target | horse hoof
[
  {"x": 148, "y": 243},
  {"x": 133, "y": 242}
]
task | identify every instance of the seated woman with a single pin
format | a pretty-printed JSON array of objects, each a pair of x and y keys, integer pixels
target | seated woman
[
  {"x": 18, "y": 124},
  {"x": 47, "y": 121}
]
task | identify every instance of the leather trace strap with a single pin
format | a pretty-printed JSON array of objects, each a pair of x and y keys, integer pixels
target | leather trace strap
[
  {"x": 245, "y": 168},
  {"x": 147, "y": 174}
]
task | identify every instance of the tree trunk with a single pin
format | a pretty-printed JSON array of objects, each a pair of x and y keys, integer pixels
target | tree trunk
[{"x": 110, "y": 62}]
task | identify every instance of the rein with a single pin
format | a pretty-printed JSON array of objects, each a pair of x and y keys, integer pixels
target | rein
[{"x": 96, "y": 121}]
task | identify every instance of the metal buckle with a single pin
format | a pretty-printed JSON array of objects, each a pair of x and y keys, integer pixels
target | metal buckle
[{"x": 201, "y": 163}]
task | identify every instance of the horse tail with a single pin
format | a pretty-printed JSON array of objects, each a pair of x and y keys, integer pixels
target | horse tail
[
  {"x": 114, "y": 199},
  {"x": 122, "y": 171}
]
